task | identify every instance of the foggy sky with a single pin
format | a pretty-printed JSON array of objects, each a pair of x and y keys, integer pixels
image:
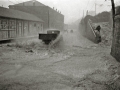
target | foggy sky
[{"x": 71, "y": 9}]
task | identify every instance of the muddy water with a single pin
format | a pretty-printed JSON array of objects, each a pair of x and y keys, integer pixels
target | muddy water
[
  {"x": 37, "y": 68},
  {"x": 79, "y": 64},
  {"x": 75, "y": 39}
]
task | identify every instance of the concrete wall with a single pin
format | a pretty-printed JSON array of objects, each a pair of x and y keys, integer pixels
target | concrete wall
[
  {"x": 87, "y": 30},
  {"x": 115, "y": 50},
  {"x": 90, "y": 34}
]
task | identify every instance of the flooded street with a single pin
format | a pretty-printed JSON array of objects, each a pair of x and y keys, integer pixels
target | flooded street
[
  {"x": 59, "y": 45},
  {"x": 74, "y": 64}
]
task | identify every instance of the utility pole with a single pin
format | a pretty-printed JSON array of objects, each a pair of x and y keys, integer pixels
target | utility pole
[
  {"x": 113, "y": 14},
  {"x": 113, "y": 17},
  {"x": 113, "y": 7}
]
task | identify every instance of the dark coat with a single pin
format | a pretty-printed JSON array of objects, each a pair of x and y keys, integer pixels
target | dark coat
[{"x": 98, "y": 28}]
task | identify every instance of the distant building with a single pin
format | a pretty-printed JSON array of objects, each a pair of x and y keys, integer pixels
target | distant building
[
  {"x": 92, "y": 13},
  {"x": 17, "y": 24},
  {"x": 51, "y": 17}
]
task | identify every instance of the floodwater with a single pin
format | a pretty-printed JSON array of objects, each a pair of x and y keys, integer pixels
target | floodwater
[{"x": 34, "y": 67}]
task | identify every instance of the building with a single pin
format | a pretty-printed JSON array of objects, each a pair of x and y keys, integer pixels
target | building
[
  {"x": 53, "y": 19},
  {"x": 92, "y": 13},
  {"x": 16, "y": 24}
]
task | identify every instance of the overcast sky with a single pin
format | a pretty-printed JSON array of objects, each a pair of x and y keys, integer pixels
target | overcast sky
[{"x": 71, "y": 9}]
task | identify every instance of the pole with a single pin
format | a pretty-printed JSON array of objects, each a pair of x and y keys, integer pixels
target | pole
[{"x": 113, "y": 14}]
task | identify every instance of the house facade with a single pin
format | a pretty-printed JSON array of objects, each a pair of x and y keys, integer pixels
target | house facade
[
  {"x": 17, "y": 24},
  {"x": 52, "y": 18}
]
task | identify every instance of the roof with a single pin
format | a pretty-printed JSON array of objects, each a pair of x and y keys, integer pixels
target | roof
[
  {"x": 30, "y": 3},
  {"x": 10, "y": 13}
]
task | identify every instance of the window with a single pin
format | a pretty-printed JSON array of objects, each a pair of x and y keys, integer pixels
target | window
[
  {"x": 4, "y": 24},
  {"x": 12, "y": 24}
]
